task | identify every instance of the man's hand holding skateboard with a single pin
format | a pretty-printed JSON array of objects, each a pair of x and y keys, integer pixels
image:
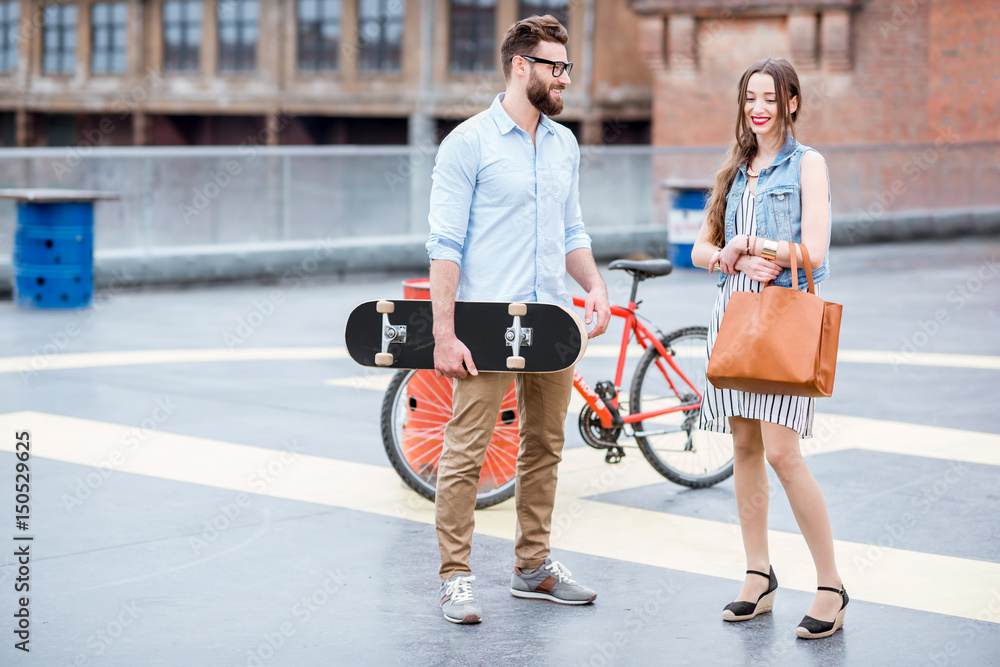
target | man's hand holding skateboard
[{"x": 452, "y": 358}]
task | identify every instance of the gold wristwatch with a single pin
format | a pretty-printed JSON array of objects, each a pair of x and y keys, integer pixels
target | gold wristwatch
[{"x": 769, "y": 250}]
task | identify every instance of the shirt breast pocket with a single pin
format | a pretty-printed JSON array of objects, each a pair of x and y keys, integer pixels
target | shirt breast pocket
[
  {"x": 502, "y": 183},
  {"x": 560, "y": 178},
  {"x": 785, "y": 207}
]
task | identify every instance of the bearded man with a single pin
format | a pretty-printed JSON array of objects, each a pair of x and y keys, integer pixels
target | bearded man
[{"x": 506, "y": 225}]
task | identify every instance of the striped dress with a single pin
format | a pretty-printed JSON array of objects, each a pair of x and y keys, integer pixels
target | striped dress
[{"x": 795, "y": 412}]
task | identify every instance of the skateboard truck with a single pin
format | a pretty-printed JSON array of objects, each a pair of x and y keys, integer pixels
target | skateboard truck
[
  {"x": 516, "y": 336},
  {"x": 391, "y": 333}
]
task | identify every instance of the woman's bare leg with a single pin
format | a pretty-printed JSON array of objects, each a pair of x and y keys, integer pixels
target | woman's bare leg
[
  {"x": 804, "y": 495},
  {"x": 750, "y": 479}
]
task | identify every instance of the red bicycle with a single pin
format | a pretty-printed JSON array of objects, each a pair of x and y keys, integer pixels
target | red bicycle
[{"x": 660, "y": 412}]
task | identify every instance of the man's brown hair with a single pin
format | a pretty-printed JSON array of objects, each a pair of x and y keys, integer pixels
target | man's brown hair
[{"x": 522, "y": 38}]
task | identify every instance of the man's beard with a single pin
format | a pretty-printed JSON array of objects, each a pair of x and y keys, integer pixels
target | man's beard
[{"x": 541, "y": 99}]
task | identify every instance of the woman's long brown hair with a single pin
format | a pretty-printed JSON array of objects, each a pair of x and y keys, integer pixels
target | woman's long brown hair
[{"x": 786, "y": 85}]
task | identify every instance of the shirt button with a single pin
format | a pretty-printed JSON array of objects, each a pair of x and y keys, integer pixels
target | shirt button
[
  {"x": 781, "y": 197},
  {"x": 760, "y": 198}
]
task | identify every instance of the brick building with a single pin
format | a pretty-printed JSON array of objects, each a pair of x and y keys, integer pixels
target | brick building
[
  {"x": 872, "y": 71},
  {"x": 901, "y": 96},
  {"x": 177, "y": 72}
]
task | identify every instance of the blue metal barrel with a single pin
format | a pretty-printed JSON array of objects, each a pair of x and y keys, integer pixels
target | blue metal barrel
[
  {"x": 687, "y": 212},
  {"x": 54, "y": 247}
]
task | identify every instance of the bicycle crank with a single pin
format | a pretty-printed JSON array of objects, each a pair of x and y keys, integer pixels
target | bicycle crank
[{"x": 594, "y": 434}]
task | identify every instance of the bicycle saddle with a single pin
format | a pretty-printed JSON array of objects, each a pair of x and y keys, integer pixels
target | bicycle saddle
[{"x": 647, "y": 268}]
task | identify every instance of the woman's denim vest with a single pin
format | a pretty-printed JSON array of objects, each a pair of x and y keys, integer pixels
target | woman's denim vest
[{"x": 778, "y": 207}]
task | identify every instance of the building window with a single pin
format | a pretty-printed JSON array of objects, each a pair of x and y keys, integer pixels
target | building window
[
  {"x": 473, "y": 35},
  {"x": 380, "y": 40},
  {"x": 107, "y": 37},
  {"x": 182, "y": 35},
  {"x": 10, "y": 13},
  {"x": 557, "y": 8},
  {"x": 238, "y": 35},
  {"x": 319, "y": 35},
  {"x": 59, "y": 39}
]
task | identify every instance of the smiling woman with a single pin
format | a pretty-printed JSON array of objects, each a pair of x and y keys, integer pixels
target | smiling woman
[{"x": 771, "y": 194}]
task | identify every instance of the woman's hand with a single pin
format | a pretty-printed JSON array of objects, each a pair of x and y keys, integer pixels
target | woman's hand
[
  {"x": 757, "y": 268},
  {"x": 727, "y": 256}
]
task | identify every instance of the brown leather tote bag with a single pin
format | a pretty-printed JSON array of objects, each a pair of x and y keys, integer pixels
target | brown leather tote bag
[{"x": 778, "y": 341}]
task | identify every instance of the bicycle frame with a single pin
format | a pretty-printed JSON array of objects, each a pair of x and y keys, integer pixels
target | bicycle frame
[{"x": 645, "y": 338}]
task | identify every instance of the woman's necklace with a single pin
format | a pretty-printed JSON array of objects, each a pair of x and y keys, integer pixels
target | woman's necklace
[{"x": 750, "y": 172}]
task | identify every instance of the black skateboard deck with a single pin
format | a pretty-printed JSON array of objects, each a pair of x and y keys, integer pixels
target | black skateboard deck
[{"x": 502, "y": 337}]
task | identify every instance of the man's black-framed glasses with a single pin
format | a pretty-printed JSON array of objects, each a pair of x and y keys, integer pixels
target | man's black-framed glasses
[{"x": 558, "y": 67}]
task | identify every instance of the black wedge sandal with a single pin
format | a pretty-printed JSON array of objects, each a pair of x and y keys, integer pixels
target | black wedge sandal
[
  {"x": 812, "y": 628},
  {"x": 744, "y": 611}
]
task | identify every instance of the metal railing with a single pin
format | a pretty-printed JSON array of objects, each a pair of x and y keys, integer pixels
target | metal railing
[{"x": 178, "y": 200}]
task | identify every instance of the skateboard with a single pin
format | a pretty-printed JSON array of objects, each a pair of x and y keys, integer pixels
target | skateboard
[{"x": 502, "y": 337}]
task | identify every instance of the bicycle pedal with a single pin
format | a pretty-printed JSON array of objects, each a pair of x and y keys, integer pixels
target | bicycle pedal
[
  {"x": 614, "y": 455},
  {"x": 606, "y": 390}
]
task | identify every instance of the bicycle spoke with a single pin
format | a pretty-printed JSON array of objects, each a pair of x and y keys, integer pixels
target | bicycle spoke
[{"x": 686, "y": 456}]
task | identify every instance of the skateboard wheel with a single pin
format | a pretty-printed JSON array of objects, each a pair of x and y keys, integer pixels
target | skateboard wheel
[
  {"x": 515, "y": 363},
  {"x": 385, "y": 307},
  {"x": 384, "y": 358},
  {"x": 517, "y": 309}
]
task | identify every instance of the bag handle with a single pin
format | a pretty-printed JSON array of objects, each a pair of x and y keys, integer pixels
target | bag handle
[
  {"x": 806, "y": 265},
  {"x": 794, "y": 260}
]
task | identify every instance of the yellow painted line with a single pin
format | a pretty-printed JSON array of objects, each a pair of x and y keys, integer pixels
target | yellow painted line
[
  {"x": 883, "y": 575},
  {"x": 48, "y": 362},
  {"x": 375, "y": 382},
  {"x": 833, "y": 432},
  {"x": 836, "y": 432},
  {"x": 52, "y": 362},
  {"x": 979, "y": 361}
]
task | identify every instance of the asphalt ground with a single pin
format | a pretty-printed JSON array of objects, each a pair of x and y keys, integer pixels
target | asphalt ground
[{"x": 208, "y": 486}]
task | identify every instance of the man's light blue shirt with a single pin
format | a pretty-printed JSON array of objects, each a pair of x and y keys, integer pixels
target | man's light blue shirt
[{"x": 506, "y": 211}]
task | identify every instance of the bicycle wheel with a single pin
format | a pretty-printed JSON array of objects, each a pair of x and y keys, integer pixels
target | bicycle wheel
[
  {"x": 672, "y": 443},
  {"x": 416, "y": 407}
]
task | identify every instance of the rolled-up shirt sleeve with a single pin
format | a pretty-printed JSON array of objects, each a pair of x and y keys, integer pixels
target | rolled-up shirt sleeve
[
  {"x": 454, "y": 180},
  {"x": 576, "y": 235}
]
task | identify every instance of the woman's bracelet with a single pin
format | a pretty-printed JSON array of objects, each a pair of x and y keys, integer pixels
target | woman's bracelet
[{"x": 770, "y": 250}]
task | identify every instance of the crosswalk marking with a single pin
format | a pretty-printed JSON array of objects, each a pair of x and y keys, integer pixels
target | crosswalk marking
[{"x": 880, "y": 574}]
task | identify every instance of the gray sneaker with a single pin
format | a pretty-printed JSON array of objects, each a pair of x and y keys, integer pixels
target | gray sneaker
[
  {"x": 552, "y": 582},
  {"x": 457, "y": 602}
]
